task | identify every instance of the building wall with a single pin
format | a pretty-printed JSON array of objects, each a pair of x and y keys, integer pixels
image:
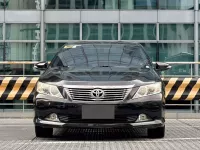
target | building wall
[{"x": 33, "y": 30}]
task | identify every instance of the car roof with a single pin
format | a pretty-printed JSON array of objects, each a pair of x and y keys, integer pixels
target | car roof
[{"x": 102, "y": 42}]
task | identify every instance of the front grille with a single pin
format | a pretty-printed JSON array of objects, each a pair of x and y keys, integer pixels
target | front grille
[{"x": 110, "y": 94}]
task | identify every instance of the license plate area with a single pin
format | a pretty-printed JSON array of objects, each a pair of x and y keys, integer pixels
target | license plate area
[{"x": 98, "y": 112}]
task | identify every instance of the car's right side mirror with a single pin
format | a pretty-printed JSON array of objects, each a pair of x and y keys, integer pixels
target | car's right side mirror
[{"x": 160, "y": 66}]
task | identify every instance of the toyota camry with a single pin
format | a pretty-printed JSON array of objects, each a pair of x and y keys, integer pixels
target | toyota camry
[{"x": 100, "y": 84}]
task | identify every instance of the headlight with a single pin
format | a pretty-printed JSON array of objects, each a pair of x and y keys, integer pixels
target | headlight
[
  {"x": 148, "y": 90},
  {"x": 52, "y": 90}
]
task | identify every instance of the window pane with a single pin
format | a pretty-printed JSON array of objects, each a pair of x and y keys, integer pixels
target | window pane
[
  {"x": 64, "y": 4},
  {"x": 176, "y": 4},
  {"x": 150, "y": 49},
  {"x": 100, "y": 31},
  {"x": 52, "y": 49},
  {"x": 100, "y": 4},
  {"x": 138, "y": 32},
  {"x": 62, "y": 32},
  {"x": 17, "y": 69},
  {"x": 138, "y": 4},
  {"x": 199, "y": 58},
  {"x": 1, "y": 51},
  {"x": 22, "y": 51},
  {"x": 1, "y": 4},
  {"x": 23, "y": 31},
  {"x": 176, "y": 32},
  {"x": 199, "y": 31},
  {"x": 177, "y": 53},
  {"x": 23, "y": 4},
  {"x": 1, "y": 31}
]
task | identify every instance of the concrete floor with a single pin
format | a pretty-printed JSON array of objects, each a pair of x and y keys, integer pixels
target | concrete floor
[{"x": 19, "y": 134}]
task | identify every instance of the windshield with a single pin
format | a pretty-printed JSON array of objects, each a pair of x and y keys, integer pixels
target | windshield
[{"x": 101, "y": 55}]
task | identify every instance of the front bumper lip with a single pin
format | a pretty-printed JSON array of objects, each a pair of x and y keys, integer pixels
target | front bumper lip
[{"x": 52, "y": 124}]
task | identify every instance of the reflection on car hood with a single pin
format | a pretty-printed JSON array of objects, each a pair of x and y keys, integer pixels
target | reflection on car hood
[{"x": 60, "y": 77}]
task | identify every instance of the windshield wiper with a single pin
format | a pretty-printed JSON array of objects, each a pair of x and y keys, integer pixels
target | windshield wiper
[{"x": 105, "y": 66}]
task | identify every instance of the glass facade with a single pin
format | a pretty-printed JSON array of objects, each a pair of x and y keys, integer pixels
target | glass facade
[
  {"x": 62, "y": 32},
  {"x": 1, "y": 31},
  {"x": 51, "y": 49},
  {"x": 99, "y": 4},
  {"x": 119, "y": 4},
  {"x": 18, "y": 70},
  {"x": 22, "y": 51},
  {"x": 22, "y": 42},
  {"x": 138, "y": 4},
  {"x": 138, "y": 32},
  {"x": 82, "y": 4},
  {"x": 100, "y": 32},
  {"x": 102, "y": 4},
  {"x": 176, "y": 32},
  {"x": 151, "y": 50},
  {"x": 177, "y": 53},
  {"x": 1, "y": 51},
  {"x": 21, "y": 4},
  {"x": 176, "y": 4},
  {"x": 22, "y": 31},
  {"x": 64, "y": 4}
]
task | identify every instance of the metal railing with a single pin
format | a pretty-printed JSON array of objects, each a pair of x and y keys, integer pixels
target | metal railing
[
  {"x": 182, "y": 63},
  {"x": 23, "y": 63}
]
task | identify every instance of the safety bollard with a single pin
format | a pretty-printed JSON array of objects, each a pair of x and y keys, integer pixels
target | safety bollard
[{"x": 196, "y": 107}]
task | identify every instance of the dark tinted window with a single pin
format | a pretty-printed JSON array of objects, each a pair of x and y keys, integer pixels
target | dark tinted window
[{"x": 92, "y": 55}]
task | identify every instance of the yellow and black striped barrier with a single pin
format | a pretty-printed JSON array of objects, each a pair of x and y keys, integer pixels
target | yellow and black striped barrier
[
  {"x": 21, "y": 88},
  {"x": 17, "y": 88},
  {"x": 182, "y": 89}
]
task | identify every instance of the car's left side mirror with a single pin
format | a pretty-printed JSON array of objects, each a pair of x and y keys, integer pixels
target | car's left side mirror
[
  {"x": 160, "y": 66},
  {"x": 41, "y": 65}
]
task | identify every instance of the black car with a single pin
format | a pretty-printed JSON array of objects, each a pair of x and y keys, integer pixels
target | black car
[{"x": 100, "y": 84}]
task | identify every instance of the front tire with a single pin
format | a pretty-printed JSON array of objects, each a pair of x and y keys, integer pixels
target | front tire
[
  {"x": 156, "y": 132},
  {"x": 43, "y": 132}
]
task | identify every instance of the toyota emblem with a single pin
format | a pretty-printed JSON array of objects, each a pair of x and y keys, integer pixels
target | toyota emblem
[{"x": 97, "y": 93}]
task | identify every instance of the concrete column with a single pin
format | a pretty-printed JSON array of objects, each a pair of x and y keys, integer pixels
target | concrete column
[
  {"x": 81, "y": 31},
  {"x": 100, "y": 31},
  {"x": 196, "y": 37},
  {"x": 196, "y": 107},
  {"x": 196, "y": 47},
  {"x": 119, "y": 31},
  {"x": 42, "y": 31}
]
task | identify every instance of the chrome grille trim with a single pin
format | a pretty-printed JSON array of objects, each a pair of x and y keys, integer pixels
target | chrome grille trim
[
  {"x": 111, "y": 94},
  {"x": 86, "y": 86}
]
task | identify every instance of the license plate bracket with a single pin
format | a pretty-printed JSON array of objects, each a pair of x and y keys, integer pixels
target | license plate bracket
[{"x": 98, "y": 112}]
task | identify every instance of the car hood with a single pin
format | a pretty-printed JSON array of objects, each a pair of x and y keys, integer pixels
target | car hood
[{"x": 61, "y": 77}]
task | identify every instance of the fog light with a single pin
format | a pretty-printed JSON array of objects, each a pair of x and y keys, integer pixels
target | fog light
[
  {"x": 142, "y": 117},
  {"x": 52, "y": 117}
]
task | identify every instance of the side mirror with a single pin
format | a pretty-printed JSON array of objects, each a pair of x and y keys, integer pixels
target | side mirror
[
  {"x": 162, "y": 66},
  {"x": 41, "y": 66}
]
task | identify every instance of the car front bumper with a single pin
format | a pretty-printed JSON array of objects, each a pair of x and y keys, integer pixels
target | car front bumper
[
  {"x": 52, "y": 124},
  {"x": 125, "y": 113}
]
